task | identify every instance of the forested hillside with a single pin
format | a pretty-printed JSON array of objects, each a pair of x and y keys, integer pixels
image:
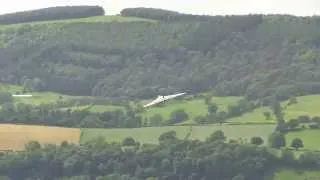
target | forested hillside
[{"x": 255, "y": 55}]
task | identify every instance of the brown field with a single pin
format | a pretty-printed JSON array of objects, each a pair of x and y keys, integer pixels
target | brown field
[{"x": 14, "y": 137}]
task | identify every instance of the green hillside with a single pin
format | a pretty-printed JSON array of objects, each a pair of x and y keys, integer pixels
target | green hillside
[
  {"x": 141, "y": 59},
  {"x": 94, "y": 73}
]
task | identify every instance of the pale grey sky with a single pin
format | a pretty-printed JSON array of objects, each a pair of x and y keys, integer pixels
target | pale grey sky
[{"x": 213, "y": 7}]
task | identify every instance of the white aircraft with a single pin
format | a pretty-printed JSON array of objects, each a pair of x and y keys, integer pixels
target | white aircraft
[{"x": 160, "y": 99}]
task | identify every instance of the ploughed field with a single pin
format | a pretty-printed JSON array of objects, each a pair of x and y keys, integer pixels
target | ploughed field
[{"x": 14, "y": 137}]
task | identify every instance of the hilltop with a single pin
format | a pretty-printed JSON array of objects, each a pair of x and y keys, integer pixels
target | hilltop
[{"x": 255, "y": 56}]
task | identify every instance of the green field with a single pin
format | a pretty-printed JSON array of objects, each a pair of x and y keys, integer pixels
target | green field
[
  {"x": 38, "y": 98},
  {"x": 151, "y": 134},
  {"x": 306, "y": 105},
  {"x": 97, "y": 108},
  {"x": 102, "y": 19},
  {"x": 309, "y": 138},
  {"x": 193, "y": 108},
  {"x": 10, "y": 88},
  {"x": 297, "y": 175}
]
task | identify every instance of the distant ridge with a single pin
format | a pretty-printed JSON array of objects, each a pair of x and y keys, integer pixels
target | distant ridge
[{"x": 51, "y": 13}]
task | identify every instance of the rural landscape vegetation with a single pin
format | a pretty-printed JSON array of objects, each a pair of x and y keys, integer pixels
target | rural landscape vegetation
[{"x": 251, "y": 109}]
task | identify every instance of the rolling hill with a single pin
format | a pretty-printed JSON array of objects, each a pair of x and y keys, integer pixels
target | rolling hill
[
  {"x": 129, "y": 59},
  {"x": 92, "y": 73}
]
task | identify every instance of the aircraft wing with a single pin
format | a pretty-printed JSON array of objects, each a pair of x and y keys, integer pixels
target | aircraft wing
[
  {"x": 162, "y": 98},
  {"x": 173, "y": 96},
  {"x": 156, "y": 101}
]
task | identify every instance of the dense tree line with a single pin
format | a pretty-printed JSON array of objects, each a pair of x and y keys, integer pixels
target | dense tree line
[
  {"x": 253, "y": 56},
  {"x": 172, "y": 159},
  {"x": 162, "y": 14},
  {"x": 52, "y": 13},
  {"x": 52, "y": 116}
]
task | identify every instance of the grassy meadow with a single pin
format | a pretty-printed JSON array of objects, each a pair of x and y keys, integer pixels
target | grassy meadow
[
  {"x": 194, "y": 107},
  {"x": 95, "y": 19},
  {"x": 296, "y": 175},
  {"x": 309, "y": 138},
  {"x": 151, "y": 134},
  {"x": 306, "y": 105}
]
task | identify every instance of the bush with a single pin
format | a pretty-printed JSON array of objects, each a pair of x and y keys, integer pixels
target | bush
[
  {"x": 257, "y": 141},
  {"x": 129, "y": 141},
  {"x": 216, "y": 136},
  {"x": 297, "y": 143},
  {"x": 5, "y": 97},
  {"x": 178, "y": 116}
]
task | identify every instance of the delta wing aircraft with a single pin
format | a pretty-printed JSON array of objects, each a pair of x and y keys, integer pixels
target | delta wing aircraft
[{"x": 160, "y": 99}]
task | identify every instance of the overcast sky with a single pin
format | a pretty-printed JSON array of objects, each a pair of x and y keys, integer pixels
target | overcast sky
[{"x": 213, "y": 7}]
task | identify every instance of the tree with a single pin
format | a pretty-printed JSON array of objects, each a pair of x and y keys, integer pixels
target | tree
[
  {"x": 277, "y": 140},
  {"x": 239, "y": 177},
  {"x": 207, "y": 99},
  {"x": 297, "y": 143},
  {"x": 292, "y": 100},
  {"x": 200, "y": 120},
  {"x": 129, "y": 141},
  {"x": 168, "y": 136},
  {"x": 32, "y": 146},
  {"x": 257, "y": 141},
  {"x": 91, "y": 121},
  {"x": 212, "y": 108},
  {"x": 217, "y": 135},
  {"x": 28, "y": 85},
  {"x": 5, "y": 97},
  {"x": 267, "y": 115},
  {"x": 293, "y": 123},
  {"x": 277, "y": 111},
  {"x": 287, "y": 156},
  {"x": 156, "y": 120},
  {"x": 178, "y": 116}
]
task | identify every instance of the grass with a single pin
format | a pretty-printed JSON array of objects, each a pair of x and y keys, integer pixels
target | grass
[
  {"x": 95, "y": 19},
  {"x": 151, "y": 134},
  {"x": 193, "y": 108},
  {"x": 296, "y": 175},
  {"x": 14, "y": 137},
  {"x": 309, "y": 138},
  {"x": 97, "y": 108},
  {"x": 10, "y": 88},
  {"x": 306, "y": 105},
  {"x": 38, "y": 98}
]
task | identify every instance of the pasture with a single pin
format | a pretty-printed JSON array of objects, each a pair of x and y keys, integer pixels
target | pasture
[
  {"x": 194, "y": 107},
  {"x": 151, "y": 134},
  {"x": 306, "y": 105},
  {"x": 14, "y": 137},
  {"x": 96, "y": 108},
  {"x": 95, "y": 19},
  {"x": 296, "y": 175},
  {"x": 309, "y": 138}
]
